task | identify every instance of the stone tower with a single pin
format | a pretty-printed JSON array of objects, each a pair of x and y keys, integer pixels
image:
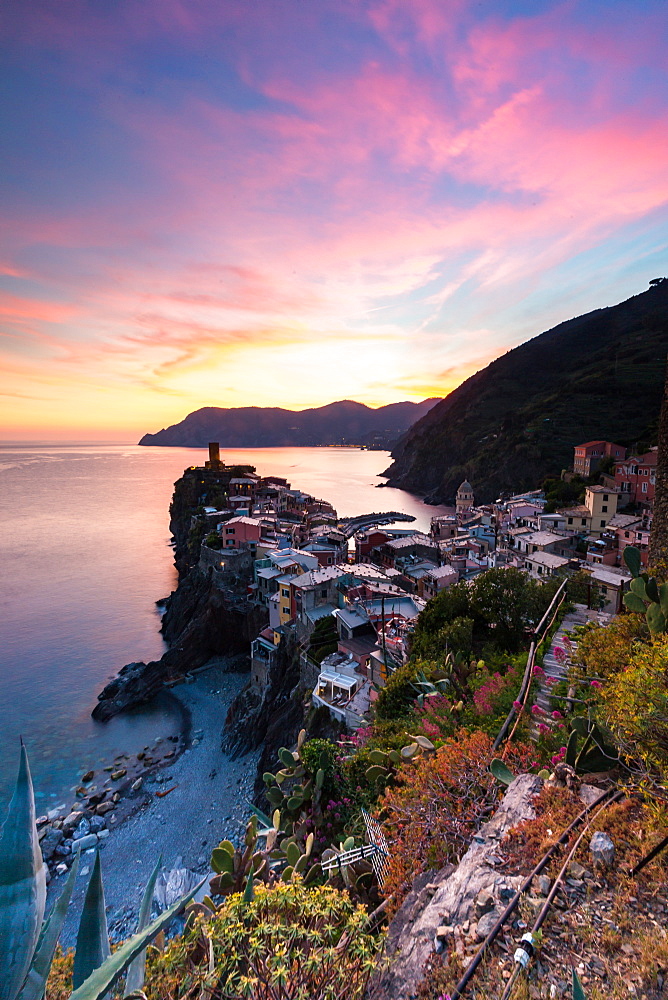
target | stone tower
[{"x": 464, "y": 499}]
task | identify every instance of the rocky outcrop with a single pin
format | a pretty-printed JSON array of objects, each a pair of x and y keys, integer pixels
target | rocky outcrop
[
  {"x": 448, "y": 898},
  {"x": 201, "y": 622}
]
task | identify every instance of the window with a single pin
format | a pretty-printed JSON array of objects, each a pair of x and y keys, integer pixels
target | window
[
  {"x": 286, "y": 611},
  {"x": 284, "y": 592},
  {"x": 323, "y": 593},
  {"x": 605, "y": 497},
  {"x": 644, "y": 487},
  {"x": 604, "y": 509},
  {"x": 230, "y": 531},
  {"x": 540, "y": 570},
  {"x": 584, "y": 522},
  {"x": 603, "y": 522},
  {"x": 230, "y": 541},
  {"x": 570, "y": 520},
  {"x": 626, "y": 534}
]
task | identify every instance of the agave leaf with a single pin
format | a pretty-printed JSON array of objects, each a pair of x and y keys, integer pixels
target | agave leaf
[
  {"x": 264, "y": 819},
  {"x": 578, "y": 992},
  {"x": 137, "y": 968},
  {"x": 249, "y": 892},
  {"x": 107, "y": 974},
  {"x": 22, "y": 885},
  {"x": 632, "y": 559},
  {"x": 35, "y": 984},
  {"x": 501, "y": 772},
  {"x": 93, "y": 937}
]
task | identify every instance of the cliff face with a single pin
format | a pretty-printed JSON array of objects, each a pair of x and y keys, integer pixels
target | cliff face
[
  {"x": 516, "y": 421},
  {"x": 200, "y": 621},
  {"x": 256, "y": 426}
]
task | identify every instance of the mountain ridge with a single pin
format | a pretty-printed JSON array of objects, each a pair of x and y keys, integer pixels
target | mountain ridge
[
  {"x": 343, "y": 421},
  {"x": 599, "y": 375}
]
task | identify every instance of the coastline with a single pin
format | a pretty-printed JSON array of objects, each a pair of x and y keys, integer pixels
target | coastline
[{"x": 207, "y": 802}]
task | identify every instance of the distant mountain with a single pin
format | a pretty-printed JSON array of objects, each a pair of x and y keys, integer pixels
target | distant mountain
[
  {"x": 599, "y": 376},
  {"x": 345, "y": 422}
]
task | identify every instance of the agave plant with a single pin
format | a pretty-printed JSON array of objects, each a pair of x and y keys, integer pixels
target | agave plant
[{"x": 28, "y": 941}]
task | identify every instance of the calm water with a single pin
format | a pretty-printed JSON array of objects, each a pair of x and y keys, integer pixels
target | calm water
[{"x": 84, "y": 555}]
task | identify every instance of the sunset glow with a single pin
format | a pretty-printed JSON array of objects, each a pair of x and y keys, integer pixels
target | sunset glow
[{"x": 272, "y": 202}]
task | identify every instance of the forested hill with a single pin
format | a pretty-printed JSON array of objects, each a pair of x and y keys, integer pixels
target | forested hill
[
  {"x": 344, "y": 422},
  {"x": 516, "y": 421}
]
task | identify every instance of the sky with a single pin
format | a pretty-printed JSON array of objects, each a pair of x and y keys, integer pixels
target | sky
[{"x": 289, "y": 202}]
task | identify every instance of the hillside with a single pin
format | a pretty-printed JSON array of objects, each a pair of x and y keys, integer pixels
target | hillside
[
  {"x": 508, "y": 426},
  {"x": 344, "y": 422}
]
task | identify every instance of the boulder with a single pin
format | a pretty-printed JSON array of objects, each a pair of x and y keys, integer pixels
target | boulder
[
  {"x": 82, "y": 829},
  {"x": 96, "y": 824},
  {"x": 602, "y": 849},
  {"x": 50, "y": 841},
  {"x": 84, "y": 843}
]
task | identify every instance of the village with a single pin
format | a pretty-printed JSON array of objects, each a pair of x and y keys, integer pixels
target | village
[{"x": 349, "y": 592}]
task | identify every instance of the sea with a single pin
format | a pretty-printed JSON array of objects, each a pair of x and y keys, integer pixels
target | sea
[{"x": 84, "y": 556}]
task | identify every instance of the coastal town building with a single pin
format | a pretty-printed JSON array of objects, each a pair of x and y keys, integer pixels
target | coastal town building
[
  {"x": 636, "y": 478},
  {"x": 588, "y": 456}
]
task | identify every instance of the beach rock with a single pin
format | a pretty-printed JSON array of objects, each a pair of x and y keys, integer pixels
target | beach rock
[
  {"x": 61, "y": 868},
  {"x": 81, "y": 830},
  {"x": 102, "y": 834},
  {"x": 72, "y": 820},
  {"x": 117, "y": 775},
  {"x": 97, "y": 797},
  {"x": 96, "y": 824},
  {"x": 84, "y": 843},
  {"x": 50, "y": 841},
  {"x": 136, "y": 785},
  {"x": 602, "y": 849},
  {"x": 104, "y": 808},
  {"x": 88, "y": 777}
]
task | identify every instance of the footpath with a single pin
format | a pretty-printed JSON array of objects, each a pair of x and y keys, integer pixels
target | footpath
[{"x": 555, "y": 664}]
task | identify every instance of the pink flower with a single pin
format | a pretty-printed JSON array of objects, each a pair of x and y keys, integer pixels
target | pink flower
[
  {"x": 542, "y": 728},
  {"x": 537, "y": 710},
  {"x": 518, "y": 706},
  {"x": 563, "y": 751},
  {"x": 538, "y": 671},
  {"x": 595, "y": 684},
  {"x": 552, "y": 680},
  {"x": 557, "y": 758},
  {"x": 560, "y": 654},
  {"x": 557, "y": 715}
]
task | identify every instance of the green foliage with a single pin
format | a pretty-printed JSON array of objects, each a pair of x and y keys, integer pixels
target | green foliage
[
  {"x": 317, "y": 753},
  {"x": 324, "y": 639},
  {"x": 578, "y": 992},
  {"x": 395, "y": 699},
  {"x": 595, "y": 754},
  {"x": 497, "y": 607},
  {"x": 559, "y": 493},
  {"x": 287, "y": 942},
  {"x": 213, "y": 541},
  {"x": 501, "y": 772},
  {"x": 646, "y": 595}
]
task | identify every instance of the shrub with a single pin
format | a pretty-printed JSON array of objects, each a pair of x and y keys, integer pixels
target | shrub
[
  {"x": 288, "y": 942},
  {"x": 213, "y": 541},
  {"x": 439, "y": 803},
  {"x": 634, "y": 704},
  {"x": 604, "y": 651},
  {"x": 396, "y": 698}
]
